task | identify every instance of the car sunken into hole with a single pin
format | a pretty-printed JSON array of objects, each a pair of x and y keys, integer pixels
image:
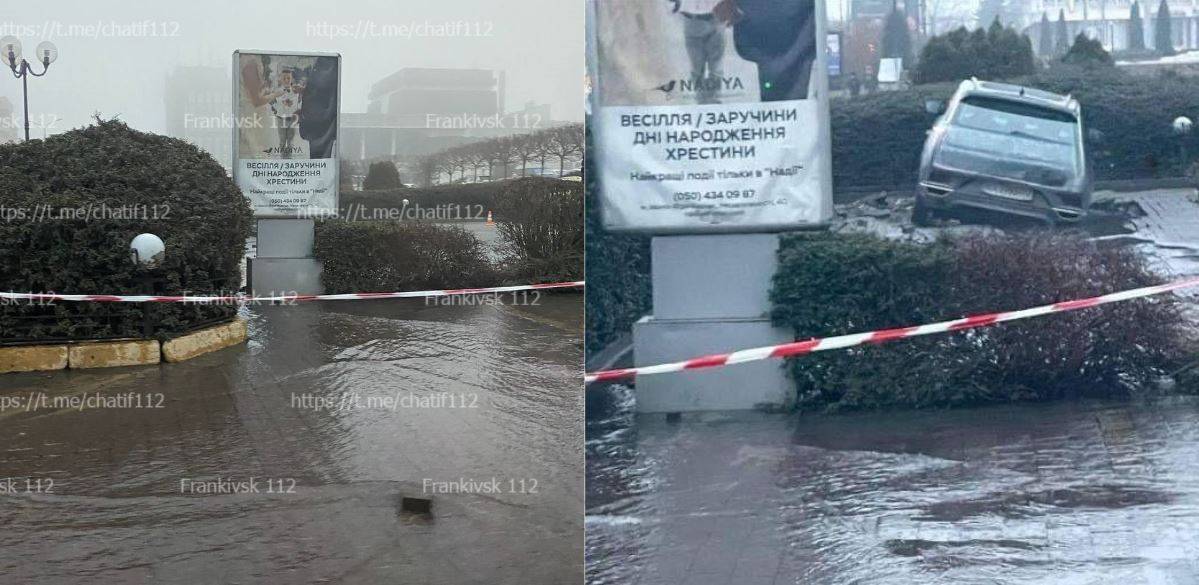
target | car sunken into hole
[{"x": 1005, "y": 148}]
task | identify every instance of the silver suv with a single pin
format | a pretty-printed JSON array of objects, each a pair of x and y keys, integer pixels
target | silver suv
[{"x": 1005, "y": 148}]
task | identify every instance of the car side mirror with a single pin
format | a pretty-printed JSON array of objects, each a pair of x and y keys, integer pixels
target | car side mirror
[
  {"x": 934, "y": 107},
  {"x": 1095, "y": 136}
]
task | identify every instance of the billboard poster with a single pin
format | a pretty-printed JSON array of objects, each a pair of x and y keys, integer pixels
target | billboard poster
[
  {"x": 285, "y": 136},
  {"x": 710, "y": 115}
]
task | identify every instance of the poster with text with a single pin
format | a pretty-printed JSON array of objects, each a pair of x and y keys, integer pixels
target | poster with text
[
  {"x": 710, "y": 115},
  {"x": 285, "y": 136}
]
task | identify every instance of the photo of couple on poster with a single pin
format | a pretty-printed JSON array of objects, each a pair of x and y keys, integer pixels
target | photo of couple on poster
[
  {"x": 732, "y": 51},
  {"x": 292, "y": 100}
]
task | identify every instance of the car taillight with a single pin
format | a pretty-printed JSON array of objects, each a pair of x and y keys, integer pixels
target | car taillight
[{"x": 1068, "y": 198}]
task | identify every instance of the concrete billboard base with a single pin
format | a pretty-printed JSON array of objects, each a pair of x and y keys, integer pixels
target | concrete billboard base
[
  {"x": 285, "y": 276},
  {"x": 759, "y": 385},
  {"x": 284, "y": 264},
  {"x": 711, "y": 295}
]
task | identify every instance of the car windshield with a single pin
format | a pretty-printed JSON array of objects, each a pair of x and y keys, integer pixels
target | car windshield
[{"x": 1014, "y": 140}]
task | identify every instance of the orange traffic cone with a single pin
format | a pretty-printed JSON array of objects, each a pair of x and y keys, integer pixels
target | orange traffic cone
[{"x": 489, "y": 220}]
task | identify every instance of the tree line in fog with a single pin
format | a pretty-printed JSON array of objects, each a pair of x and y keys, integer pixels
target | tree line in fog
[{"x": 553, "y": 148}]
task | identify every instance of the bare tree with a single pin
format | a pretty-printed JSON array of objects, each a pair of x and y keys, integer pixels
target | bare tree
[
  {"x": 565, "y": 143},
  {"x": 504, "y": 152},
  {"x": 428, "y": 167},
  {"x": 543, "y": 143},
  {"x": 523, "y": 150},
  {"x": 477, "y": 157}
]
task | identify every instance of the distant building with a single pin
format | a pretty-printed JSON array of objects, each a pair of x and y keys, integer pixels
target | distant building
[
  {"x": 199, "y": 109},
  {"x": 417, "y": 92},
  {"x": 417, "y": 111},
  {"x": 1107, "y": 21}
]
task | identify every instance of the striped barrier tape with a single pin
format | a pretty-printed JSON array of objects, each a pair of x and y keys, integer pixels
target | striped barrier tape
[
  {"x": 798, "y": 348},
  {"x": 242, "y": 299}
]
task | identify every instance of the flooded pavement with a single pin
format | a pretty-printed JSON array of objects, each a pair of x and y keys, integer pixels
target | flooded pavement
[
  {"x": 1086, "y": 493},
  {"x": 479, "y": 395}
]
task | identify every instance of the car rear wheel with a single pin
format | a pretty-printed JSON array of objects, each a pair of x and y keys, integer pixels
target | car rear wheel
[{"x": 922, "y": 216}]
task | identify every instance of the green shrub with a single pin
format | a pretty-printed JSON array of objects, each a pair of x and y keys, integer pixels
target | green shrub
[
  {"x": 381, "y": 256},
  {"x": 831, "y": 285},
  {"x": 164, "y": 185},
  {"x": 877, "y": 138},
  {"x": 540, "y": 222},
  {"x": 1136, "y": 28},
  {"x": 995, "y": 53},
  {"x": 382, "y": 175},
  {"x": 1163, "y": 27},
  {"x": 1045, "y": 36},
  {"x": 1061, "y": 36},
  {"x": 1087, "y": 52},
  {"x": 897, "y": 38}
]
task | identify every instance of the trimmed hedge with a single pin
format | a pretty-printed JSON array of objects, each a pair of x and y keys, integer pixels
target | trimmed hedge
[
  {"x": 832, "y": 285},
  {"x": 180, "y": 193},
  {"x": 382, "y": 175},
  {"x": 619, "y": 288},
  {"x": 541, "y": 225},
  {"x": 471, "y": 197},
  {"x": 877, "y": 138},
  {"x": 383, "y": 256}
]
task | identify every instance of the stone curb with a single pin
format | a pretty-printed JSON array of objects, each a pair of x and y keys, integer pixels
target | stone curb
[
  {"x": 110, "y": 354},
  {"x": 32, "y": 358},
  {"x": 204, "y": 341}
]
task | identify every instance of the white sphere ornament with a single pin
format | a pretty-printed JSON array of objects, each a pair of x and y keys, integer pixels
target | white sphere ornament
[
  {"x": 1183, "y": 125},
  {"x": 10, "y": 51},
  {"x": 147, "y": 250},
  {"x": 46, "y": 53}
]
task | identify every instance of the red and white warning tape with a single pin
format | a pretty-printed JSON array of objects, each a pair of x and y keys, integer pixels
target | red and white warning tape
[
  {"x": 242, "y": 299},
  {"x": 843, "y": 341}
]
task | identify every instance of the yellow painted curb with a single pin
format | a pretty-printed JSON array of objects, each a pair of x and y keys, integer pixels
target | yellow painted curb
[
  {"x": 110, "y": 354},
  {"x": 204, "y": 341},
  {"x": 32, "y": 358}
]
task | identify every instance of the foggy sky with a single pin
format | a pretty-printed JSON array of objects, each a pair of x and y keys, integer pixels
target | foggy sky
[{"x": 539, "y": 43}]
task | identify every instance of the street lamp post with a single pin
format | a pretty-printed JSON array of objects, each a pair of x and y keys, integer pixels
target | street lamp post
[
  {"x": 10, "y": 53},
  {"x": 147, "y": 251},
  {"x": 1182, "y": 127}
]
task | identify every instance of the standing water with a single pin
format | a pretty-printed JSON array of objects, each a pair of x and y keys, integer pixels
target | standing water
[
  {"x": 334, "y": 411},
  {"x": 1067, "y": 493}
]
